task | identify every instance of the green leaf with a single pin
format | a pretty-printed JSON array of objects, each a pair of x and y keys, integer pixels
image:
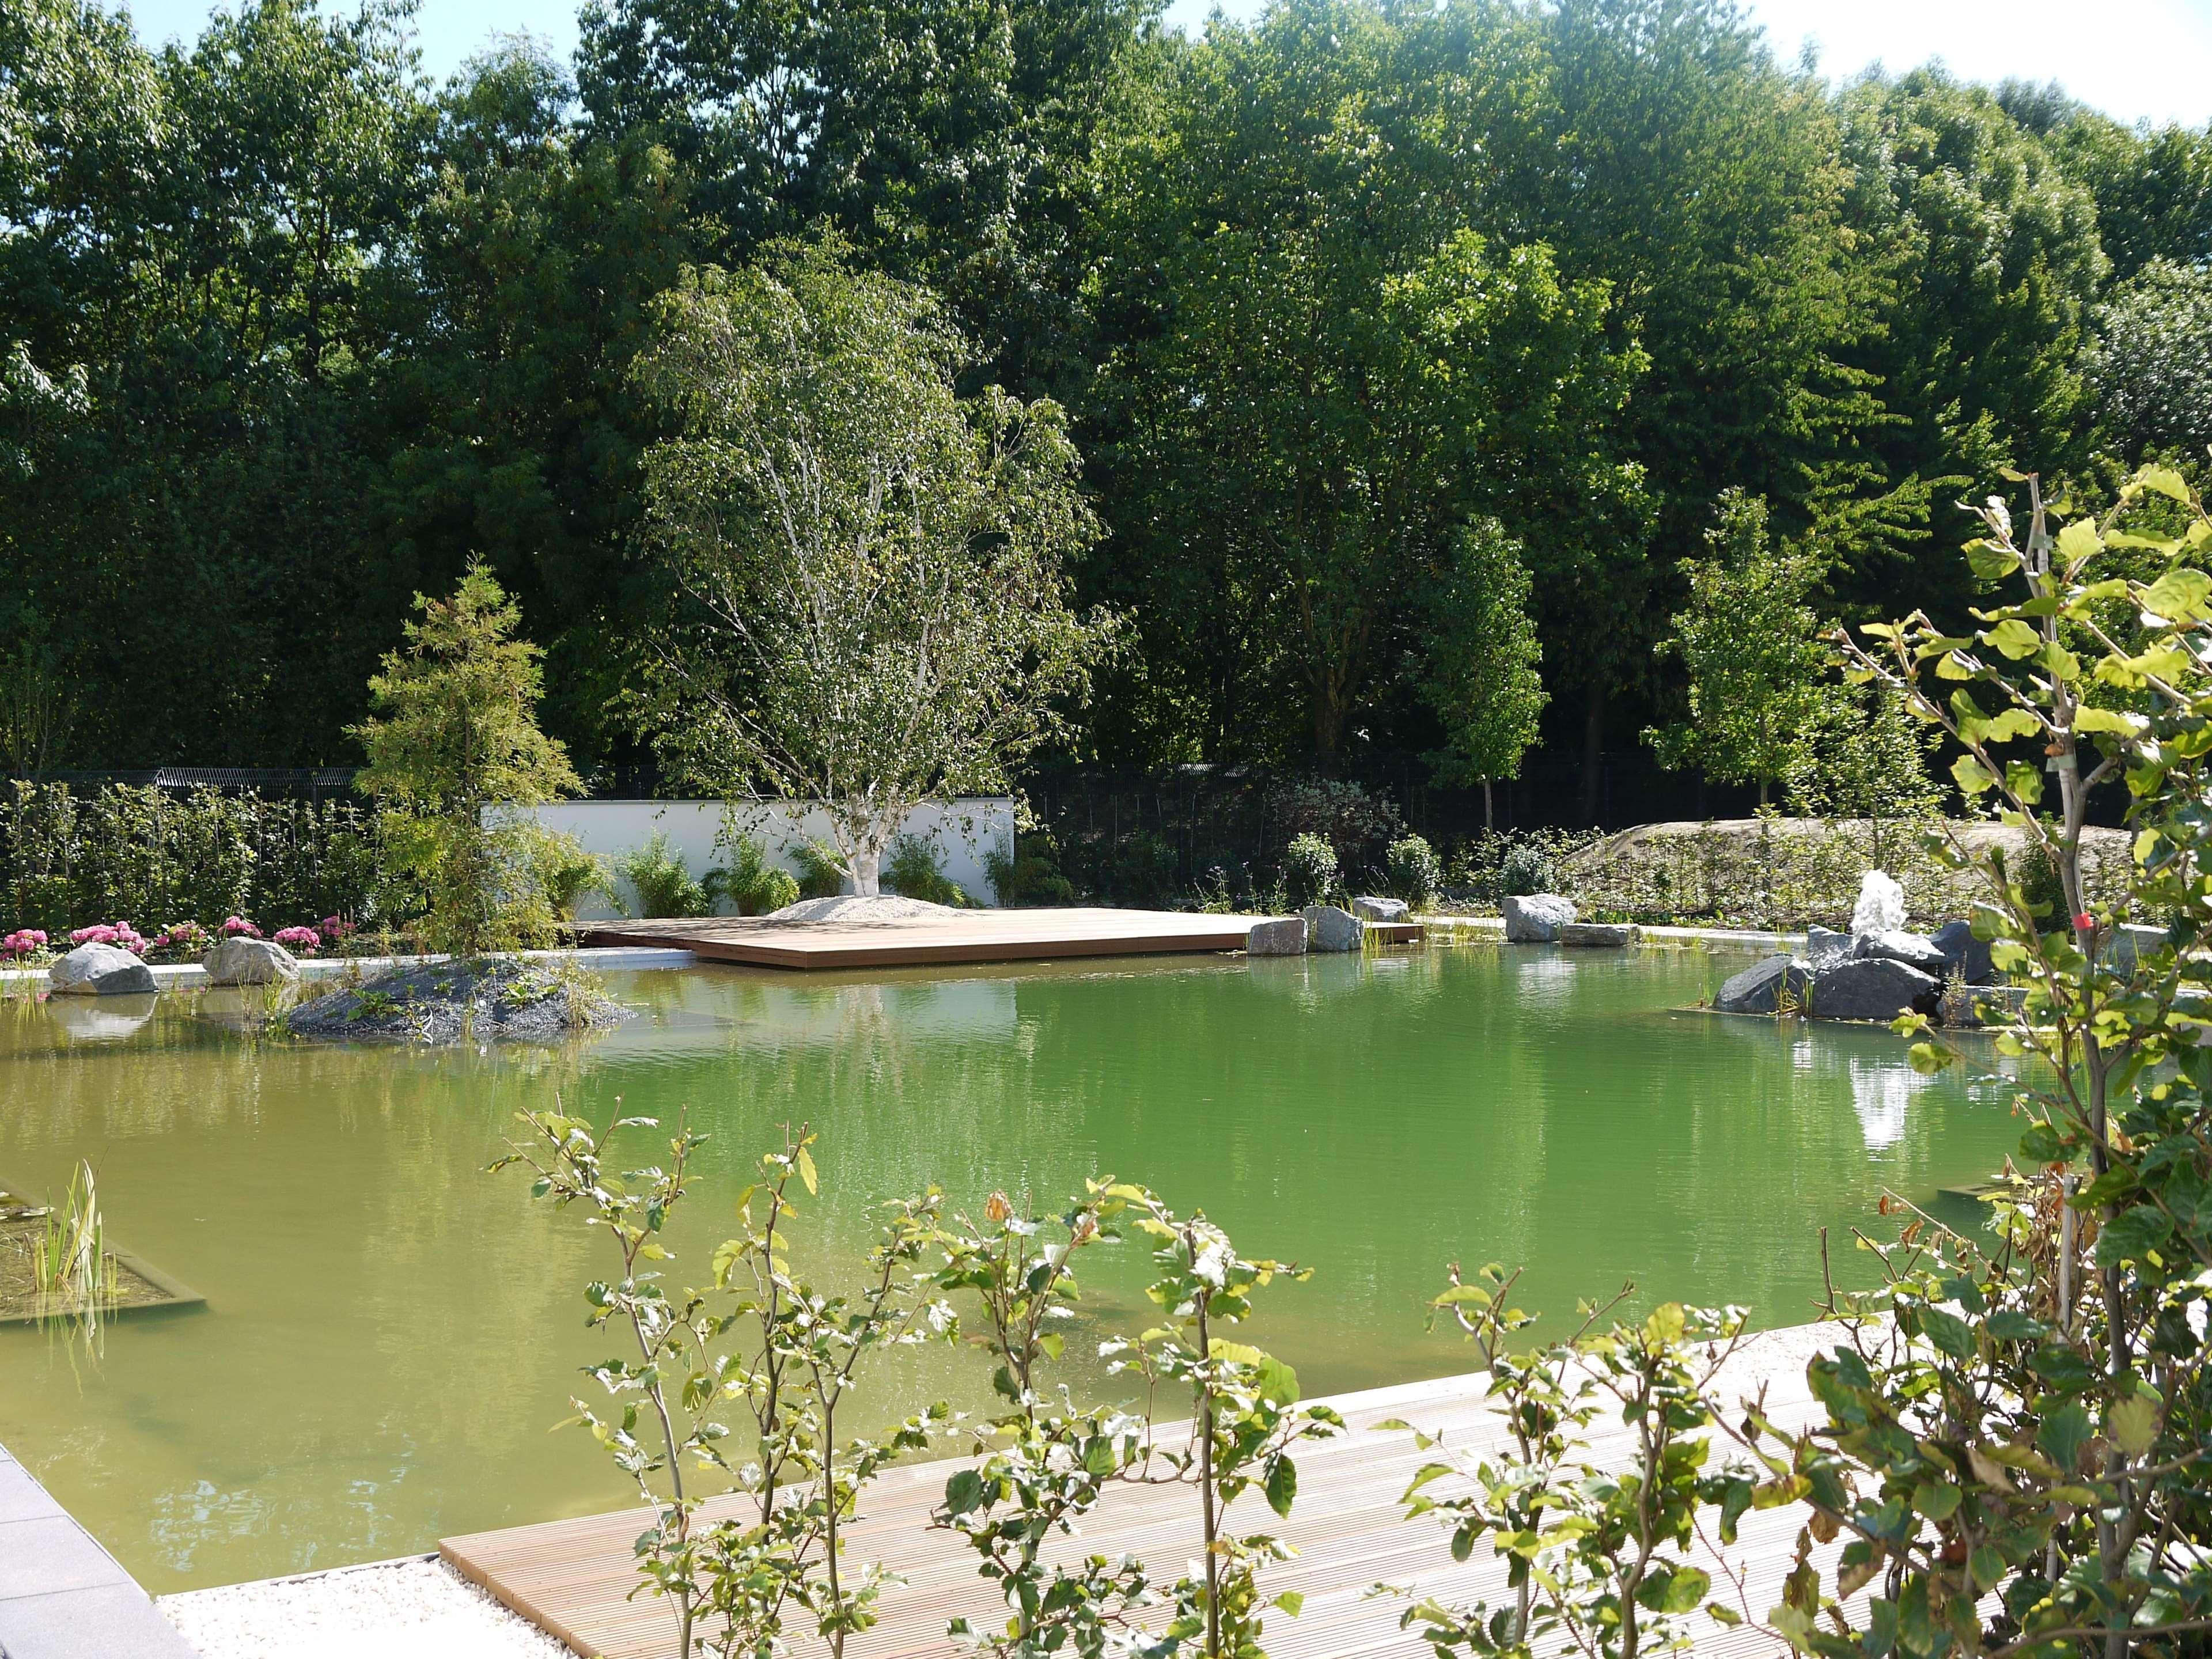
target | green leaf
[
  {"x": 2181, "y": 594},
  {"x": 2133, "y": 1424},
  {"x": 1282, "y": 1486},
  {"x": 2165, "y": 481},
  {"x": 2132, "y": 1235},
  {"x": 2063, "y": 1433},
  {"x": 2015, "y": 638},
  {"x": 2078, "y": 541},
  {"x": 1292, "y": 1602},
  {"x": 964, "y": 1492},
  {"x": 806, "y": 1171},
  {"x": 1971, "y": 776}
]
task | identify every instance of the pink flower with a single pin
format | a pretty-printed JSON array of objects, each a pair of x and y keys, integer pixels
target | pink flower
[
  {"x": 238, "y": 927},
  {"x": 120, "y": 934},
  {"x": 304, "y": 940}
]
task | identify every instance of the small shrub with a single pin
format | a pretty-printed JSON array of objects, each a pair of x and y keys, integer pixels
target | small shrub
[
  {"x": 664, "y": 886},
  {"x": 915, "y": 871},
  {"x": 818, "y": 874},
  {"x": 2038, "y": 876},
  {"x": 1309, "y": 870},
  {"x": 25, "y": 944},
  {"x": 1142, "y": 870},
  {"x": 1524, "y": 870},
  {"x": 568, "y": 874},
  {"x": 1029, "y": 874},
  {"x": 1415, "y": 872},
  {"x": 753, "y": 886},
  {"x": 181, "y": 941},
  {"x": 120, "y": 934}
]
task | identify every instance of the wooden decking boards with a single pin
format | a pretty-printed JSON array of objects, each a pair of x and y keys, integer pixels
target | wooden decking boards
[
  {"x": 574, "y": 1577},
  {"x": 965, "y": 936}
]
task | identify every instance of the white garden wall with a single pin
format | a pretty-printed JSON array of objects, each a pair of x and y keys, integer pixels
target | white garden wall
[{"x": 965, "y": 831}]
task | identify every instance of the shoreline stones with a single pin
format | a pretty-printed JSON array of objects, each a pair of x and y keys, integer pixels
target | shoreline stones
[
  {"x": 1895, "y": 944},
  {"x": 1331, "y": 930},
  {"x": 1824, "y": 947},
  {"x": 249, "y": 962},
  {"x": 1758, "y": 989},
  {"x": 1286, "y": 937},
  {"x": 1965, "y": 956},
  {"x": 1372, "y": 908},
  {"x": 1600, "y": 935},
  {"x": 1873, "y": 987},
  {"x": 1536, "y": 918},
  {"x": 101, "y": 970}
]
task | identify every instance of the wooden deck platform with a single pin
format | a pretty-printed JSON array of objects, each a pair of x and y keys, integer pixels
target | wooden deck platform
[
  {"x": 964, "y": 936},
  {"x": 573, "y": 1577}
]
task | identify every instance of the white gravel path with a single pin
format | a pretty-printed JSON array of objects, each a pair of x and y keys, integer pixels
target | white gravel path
[{"x": 412, "y": 1609}]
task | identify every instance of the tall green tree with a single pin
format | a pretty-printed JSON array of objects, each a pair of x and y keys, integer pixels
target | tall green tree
[
  {"x": 1323, "y": 371},
  {"x": 2150, "y": 367},
  {"x": 453, "y": 752},
  {"x": 1484, "y": 656},
  {"x": 1749, "y": 645},
  {"x": 869, "y": 606},
  {"x": 948, "y": 140}
]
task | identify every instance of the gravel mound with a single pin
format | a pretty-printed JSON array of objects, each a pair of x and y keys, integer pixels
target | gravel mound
[
  {"x": 860, "y": 907},
  {"x": 452, "y": 1002}
]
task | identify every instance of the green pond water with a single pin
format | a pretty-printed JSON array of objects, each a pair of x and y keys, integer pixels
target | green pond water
[{"x": 390, "y": 1333}]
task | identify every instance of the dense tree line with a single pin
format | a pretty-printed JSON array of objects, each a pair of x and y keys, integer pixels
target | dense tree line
[{"x": 291, "y": 333}]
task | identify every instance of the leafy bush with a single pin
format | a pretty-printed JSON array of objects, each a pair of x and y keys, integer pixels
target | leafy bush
[
  {"x": 819, "y": 876},
  {"x": 1414, "y": 871},
  {"x": 664, "y": 886},
  {"x": 753, "y": 886},
  {"x": 1524, "y": 870},
  {"x": 915, "y": 871},
  {"x": 1028, "y": 873},
  {"x": 568, "y": 874},
  {"x": 68, "y": 860},
  {"x": 1142, "y": 870},
  {"x": 1309, "y": 870}
]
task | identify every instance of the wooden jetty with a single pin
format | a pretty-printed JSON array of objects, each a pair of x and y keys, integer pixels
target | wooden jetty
[
  {"x": 574, "y": 1577},
  {"x": 963, "y": 936}
]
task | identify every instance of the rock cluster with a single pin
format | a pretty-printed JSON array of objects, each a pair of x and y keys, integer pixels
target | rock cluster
[
  {"x": 452, "y": 1002},
  {"x": 1873, "y": 973}
]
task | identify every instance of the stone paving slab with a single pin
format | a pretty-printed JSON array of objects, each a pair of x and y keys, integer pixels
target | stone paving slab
[{"x": 61, "y": 1596}]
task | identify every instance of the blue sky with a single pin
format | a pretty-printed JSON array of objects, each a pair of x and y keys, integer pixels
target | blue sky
[{"x": 2135, "y": 59}]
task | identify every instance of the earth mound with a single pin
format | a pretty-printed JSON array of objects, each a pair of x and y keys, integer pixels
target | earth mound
[
  {"x": 860, "y": 907},
  {"x": 453, "y": 1001}
]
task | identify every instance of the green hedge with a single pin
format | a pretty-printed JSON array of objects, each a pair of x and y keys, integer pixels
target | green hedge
[{"x": 151, "y": 857}]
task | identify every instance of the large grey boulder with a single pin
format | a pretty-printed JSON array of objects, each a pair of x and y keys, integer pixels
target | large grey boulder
[
  {"x": 1536, "y": 918},
  {"x": 1965, "y": 956},
  {"x": 1600, "y": 935},
  {"x": 1330, "y": 929},
  {"x": 250, "y": 961},
  {"x": 1895, "y": 944},
  {"x": 1370, "y": 908},
  {"x": 2129, "y": 943},
  {"x": 1972, "y": 1005},
  {"x": 1872, "y": 987},
  {"x": 1824, "y": 947},
  {"x": 1286, "y": 937},
  {"x": 99, "y": 971},
  {"x": 1758, "y": 989}
]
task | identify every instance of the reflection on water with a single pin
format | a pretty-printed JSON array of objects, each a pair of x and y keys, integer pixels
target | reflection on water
[{"x": 390, "y": 1332}]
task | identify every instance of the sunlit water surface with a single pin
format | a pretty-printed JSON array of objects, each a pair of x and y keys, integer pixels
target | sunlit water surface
[{"x": 390, "y": 1332}]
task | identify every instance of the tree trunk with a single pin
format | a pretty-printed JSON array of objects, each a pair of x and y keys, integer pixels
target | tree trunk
[
  {"x": 1593, "y": 752},
  {"x": 867, "y": 868},
  {"x": 1488, "y": 826}
]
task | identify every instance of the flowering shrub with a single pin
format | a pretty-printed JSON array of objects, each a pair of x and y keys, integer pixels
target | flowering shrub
[
  {"x": 335, "y": 930},
  {"x": 24, "y": 942},
  {"x": 121, "y": 934},
  {"x": 238, "y": 927},
  {"x": 181, "y": 941},
  {"x": 300, "y": 941}
]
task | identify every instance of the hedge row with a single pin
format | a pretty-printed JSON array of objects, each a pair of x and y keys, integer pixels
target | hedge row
[{"x": 153, "y": 857}]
